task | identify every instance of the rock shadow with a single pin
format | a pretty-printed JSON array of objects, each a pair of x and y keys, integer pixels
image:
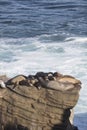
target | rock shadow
[{"x": 15, "y": 127}]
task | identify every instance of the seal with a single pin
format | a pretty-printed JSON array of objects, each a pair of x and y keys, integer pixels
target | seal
[
  {"x": 56, "y": 85},
  {"x": 2, "y": 84},
  {"x": 16, "y": 80},
  {"x": 41, "y": 74},
  {"x": 50, "y": 76},
  {"x": 32, "y": 80},
  {"x": 57, "y": 75}
]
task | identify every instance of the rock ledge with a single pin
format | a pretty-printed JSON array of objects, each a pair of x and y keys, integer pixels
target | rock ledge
[{"x": 43, "y": 101}]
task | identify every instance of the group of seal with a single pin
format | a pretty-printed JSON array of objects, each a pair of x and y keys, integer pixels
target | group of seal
[{"x": 48, "y": 80}]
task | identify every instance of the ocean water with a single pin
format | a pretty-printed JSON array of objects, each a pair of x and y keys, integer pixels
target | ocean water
[{"x": 46, "y": 35}]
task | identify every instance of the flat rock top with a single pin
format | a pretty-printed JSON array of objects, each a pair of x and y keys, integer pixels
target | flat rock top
[{"x": 50, "y": 80}]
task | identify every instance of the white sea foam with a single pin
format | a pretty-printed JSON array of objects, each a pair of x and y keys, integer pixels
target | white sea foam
[{"x": 29, "y": 55}]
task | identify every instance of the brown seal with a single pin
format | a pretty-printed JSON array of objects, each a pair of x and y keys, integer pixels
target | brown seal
[
  {"x": 32, "y": 80},
  {"x": 56, "y": 85},
  {"x": 16, "y": 80},
  {"x": 57, "y": 74}
]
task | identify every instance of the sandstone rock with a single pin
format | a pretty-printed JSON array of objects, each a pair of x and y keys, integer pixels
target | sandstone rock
[
  {"x": 29, "y": 108},
  {"x": 70, "y": 79}
]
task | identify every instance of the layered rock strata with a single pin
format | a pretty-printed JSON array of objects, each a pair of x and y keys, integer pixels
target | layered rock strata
[{"x": 43, "y": 101}]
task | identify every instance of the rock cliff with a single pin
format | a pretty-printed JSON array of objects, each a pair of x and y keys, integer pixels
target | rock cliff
[{"x": 43, "y": 101}]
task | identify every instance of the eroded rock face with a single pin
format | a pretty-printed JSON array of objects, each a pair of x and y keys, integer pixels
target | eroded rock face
[{"x": 43, "y": 101}]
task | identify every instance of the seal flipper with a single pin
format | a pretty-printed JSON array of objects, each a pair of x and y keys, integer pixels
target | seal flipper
[{"x": 15, "y": 84}]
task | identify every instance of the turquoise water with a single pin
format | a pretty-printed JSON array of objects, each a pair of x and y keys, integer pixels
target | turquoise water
[{"x": 46, "y": 35}]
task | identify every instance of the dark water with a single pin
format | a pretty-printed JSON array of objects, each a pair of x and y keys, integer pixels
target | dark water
[{"x": 30, "y": 18}]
